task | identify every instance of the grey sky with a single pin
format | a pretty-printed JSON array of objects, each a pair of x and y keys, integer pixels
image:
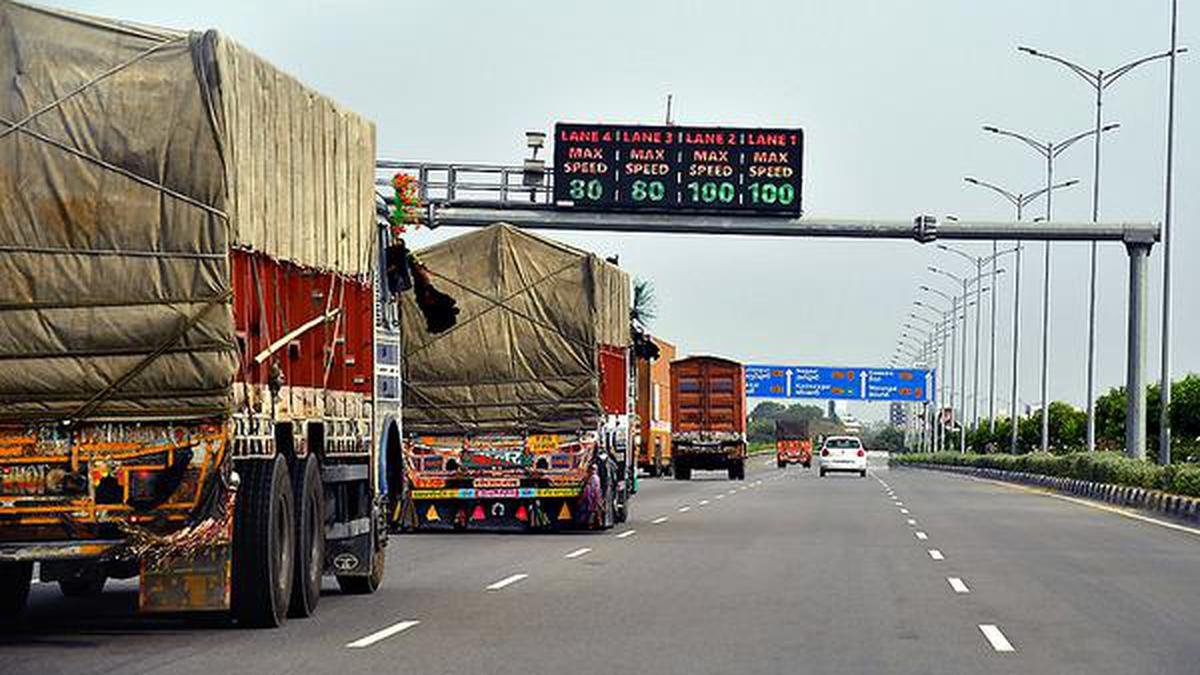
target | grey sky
[{"x": 891, "y": 95}]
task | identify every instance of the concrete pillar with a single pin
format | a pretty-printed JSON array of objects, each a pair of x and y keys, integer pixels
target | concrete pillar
[{"x": 1135, "y": 368}]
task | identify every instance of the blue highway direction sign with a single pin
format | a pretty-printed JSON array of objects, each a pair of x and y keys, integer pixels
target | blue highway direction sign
[{"x": 861, "y": 384}]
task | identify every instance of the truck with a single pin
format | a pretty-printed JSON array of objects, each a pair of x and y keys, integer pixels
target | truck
[
  {"x": 199, "y": 384},
  {"x": 708, "y": 416},
  {"x": 793, "y": 443},
  {"x": 519, "y": 418},
  {"x": 654, "y": 409}
]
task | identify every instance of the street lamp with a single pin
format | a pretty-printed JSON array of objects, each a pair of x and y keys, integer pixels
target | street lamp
[
  {"x": 1050, "y": 151},
  {"x": 979, "y": 262},
  {"x": 962, "y": 389},
  {"x": 1099, "y": 81},
  {"x": 1019, "y": 200}
]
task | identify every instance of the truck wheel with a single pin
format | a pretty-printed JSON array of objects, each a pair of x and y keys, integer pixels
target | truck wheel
[
  {"x": 263, "y": 533},
  {"x": 368, "y": 584},
  {"x": 86, "y": 587},
  {"x": 310, "y": 539},
  {"x": 780, "y": 464},
  {"x": 652, "y": 471},
  {"x": 15, "y": 578},
  {"x": 683, "y": 472}
]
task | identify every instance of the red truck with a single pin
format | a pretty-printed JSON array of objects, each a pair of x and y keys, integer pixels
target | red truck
[
  {"x": 708, "y": 416},
  {"x": 793, "y": 443},
  {"x": 654, "y": 410},
  {"x": 520, "y": 417},
  {"x": 198, "y": 374}
]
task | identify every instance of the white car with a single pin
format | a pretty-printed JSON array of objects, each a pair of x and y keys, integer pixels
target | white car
[{"x": 843, "y": 453}]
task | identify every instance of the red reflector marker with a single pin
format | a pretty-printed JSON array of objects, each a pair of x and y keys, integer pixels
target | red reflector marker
[
  {"x": 522, "y": 514},
  {"x": 477, "y": 514}
]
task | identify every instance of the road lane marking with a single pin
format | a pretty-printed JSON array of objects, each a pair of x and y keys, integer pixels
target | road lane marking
[
  {"x": 1094, "y": 505},
  {"x": 381, "y": 635},
  {"x": 507, "y": 581},
  {"x": 721, "y": 496},
  {"x": 578, "y": 553},
  {"x": 684, "y": 509},
  {"x": 732, "y": 491},
  {"x": 996, "y": 638},
  {"x": 904, "y": 511},
  {"x": 899, "y": 503},
  {"x": 626, "y": 533},
  {"x": 703, "y": 502},
  {"x": 912, "y": 521},
  {"x": 659, "y": 520},
  {"x": 936, "y": 554},
  {"x": 958, "y": 585},
  {"x": 921, "y": 535}
]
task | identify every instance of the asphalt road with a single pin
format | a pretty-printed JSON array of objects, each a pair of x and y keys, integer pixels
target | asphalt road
[{"x": 784, "y": 573}]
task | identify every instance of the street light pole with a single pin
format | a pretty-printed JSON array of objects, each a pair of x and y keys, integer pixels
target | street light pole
[
  {"x": 1099, "y": 80},
  {"x": 1164, "y": 420},
  {"x": 1049, "y": 151},
  {"x": 1019, "y": 200}
]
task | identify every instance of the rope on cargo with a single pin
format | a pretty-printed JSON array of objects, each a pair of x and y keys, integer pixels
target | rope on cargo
[
  {"x": 92, "y": 403},
  {"x": 21, "y": 126}
]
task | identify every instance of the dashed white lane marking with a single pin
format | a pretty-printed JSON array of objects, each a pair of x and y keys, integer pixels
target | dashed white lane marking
[
  {"x": 626, "y": 533},
  {"x": 381, "y": 635},
  {"x": 757, "y": 482},
  {"x": 904, "y": 511},
  {"x": 912, "y": 522},
  {"x": 936, "y": 554},
  {"x": 921, "y": 535},
  {"x": 684, "y": 509},
  {"x": 899, "y": 503},
  {"x": 996, "y": 638},
  {"x": 659, "y": 520},
  {"x": 507, "y": 581},
  {"x": 721, "y": 496},
  {"x": 703, "y": 502},
  {"x": 1100, "y": 507},
  {"x": 578, "y": 553},
  {"x": 958, "y": 585},
  {"x": 733, "y": 491}
]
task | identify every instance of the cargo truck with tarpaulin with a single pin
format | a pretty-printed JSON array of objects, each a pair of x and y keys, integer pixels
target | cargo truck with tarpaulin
[
  {"x": 519, "y": 416},
  {"x": 708, "y": 416},
  {"x": 198, "y": 367}
]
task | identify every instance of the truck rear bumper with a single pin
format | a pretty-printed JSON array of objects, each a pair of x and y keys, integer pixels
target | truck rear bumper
[{"x": 37, "y": 551}]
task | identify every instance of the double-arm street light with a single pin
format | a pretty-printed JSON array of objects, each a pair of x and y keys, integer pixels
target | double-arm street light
[
  {"x": 1050, "y": 151},
  {"x": 1019, "y": 200},
  {"x": 1099, "y": 81},
  {"x": 966, "y": 305},
  {"x": 979, "y": 262},
  {"x": 939, "y": 337}
]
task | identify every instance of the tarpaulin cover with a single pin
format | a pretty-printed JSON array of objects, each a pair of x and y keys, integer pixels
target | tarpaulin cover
[
  {"x": 132, "y": 159},
  {"x": 524, "y": 354}
]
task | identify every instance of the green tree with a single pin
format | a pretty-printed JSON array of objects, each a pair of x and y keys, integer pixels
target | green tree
[
  {"x": 767, "y": 410},
  {"x": 888, "y": 438}
]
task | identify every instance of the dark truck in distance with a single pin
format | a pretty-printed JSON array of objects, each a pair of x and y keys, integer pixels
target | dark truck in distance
[
  {"x": 708, "y": 416},
  {"x": 793, "y": 443}
]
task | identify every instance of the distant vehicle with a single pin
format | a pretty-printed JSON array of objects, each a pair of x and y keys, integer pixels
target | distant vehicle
[
  {"x": 843, "y": 453},
  {"x": 793, "y": 444},
  {"x": 654, "y": 410},
  {"x": 708, "y": 416}
]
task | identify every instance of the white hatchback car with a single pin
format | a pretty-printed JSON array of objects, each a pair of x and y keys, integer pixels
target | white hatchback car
[{"x": 843, "y": 453}]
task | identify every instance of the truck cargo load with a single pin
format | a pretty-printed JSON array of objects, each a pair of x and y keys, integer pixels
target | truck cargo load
[
  {"x": 519, "y": 415},
  {"x": 189, "y": 249},
  {"x": 708, "y": 416}
]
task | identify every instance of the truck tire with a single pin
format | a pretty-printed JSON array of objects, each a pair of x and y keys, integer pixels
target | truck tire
[
  {"x": 652, "y": 470},
  {"x": 368, "y": 584},
  {"x": 683, "y": 472},
  {"x": 263, "y": 547},
  {"x": 780, "y": 464},
  {"x": 737, "y": 470},
  {"x": 15, "y": 579},
  {"x": 310, "y": 538},
  {"x": 85, "y": 587}
]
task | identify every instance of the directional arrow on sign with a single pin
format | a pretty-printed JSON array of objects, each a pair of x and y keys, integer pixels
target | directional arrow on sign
[
  {"x": 789, "y": 382},
  {"x": 862, "y": 384}
]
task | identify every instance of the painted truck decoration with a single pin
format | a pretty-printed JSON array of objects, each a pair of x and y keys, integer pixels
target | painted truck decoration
[
  {"x": 198, "y": 367},
  {"x": 708, "y": 416},
  {"x": 519, "y": 417},
  {"x": 793, "y": 443},
  {"x": 654, "y": 410}
]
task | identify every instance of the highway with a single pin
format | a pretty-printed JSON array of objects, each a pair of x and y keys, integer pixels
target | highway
[{"x": 905, "y": 571}]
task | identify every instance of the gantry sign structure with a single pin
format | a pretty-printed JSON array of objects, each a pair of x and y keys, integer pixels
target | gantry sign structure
[{"x": 535, "y": 196}]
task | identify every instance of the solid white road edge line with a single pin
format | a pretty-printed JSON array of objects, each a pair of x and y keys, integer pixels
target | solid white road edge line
[
  {"x": 381, "y": 635},
  {"x": 921, "y": 535},
  {"x": 936, "y": 554},
  {"x": 507, "y": 581},
  {"x": 626, "y": 533},
  {"x": 958, "y": 585},
  {"x": 996, "y": 638},
  {"x": 578, "y": 553},
  {"x": 659, "y": 520},
  {"x": 1094, "y": 505}
]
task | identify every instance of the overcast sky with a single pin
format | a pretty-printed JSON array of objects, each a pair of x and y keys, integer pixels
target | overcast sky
[{"x": 891, "y": 95}]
